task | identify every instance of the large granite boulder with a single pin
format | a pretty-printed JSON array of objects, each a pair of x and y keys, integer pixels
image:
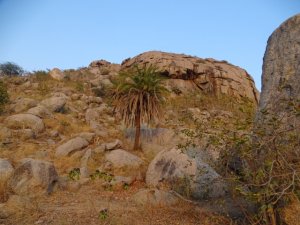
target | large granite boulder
[
  {"x": 190, "y": 74},
  {"x": 281, "y": 74},
  {"x": 32, "y": 174},
  {"x": 185, "y": 173},
  {"x": 22, "y": 121}
]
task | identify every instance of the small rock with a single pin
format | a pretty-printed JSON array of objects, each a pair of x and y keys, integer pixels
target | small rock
[
  {"x": 71, "y": 146},
  {"x": 57, "y": 74},
  {"x": 54, "y": 133},
  {"x": 40, "y": 111},
  {"x": 121, "y": 158},
  {"x": 87, "y": 136},
  {"x": 154, "y": 197},
  {"x": 113, "y": 145}
]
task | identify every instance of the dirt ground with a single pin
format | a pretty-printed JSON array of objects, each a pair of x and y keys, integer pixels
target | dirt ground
[{"x": 94, "y": 205}]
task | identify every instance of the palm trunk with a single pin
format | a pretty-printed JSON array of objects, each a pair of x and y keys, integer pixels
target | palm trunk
[{"x": 137, "y": 131}]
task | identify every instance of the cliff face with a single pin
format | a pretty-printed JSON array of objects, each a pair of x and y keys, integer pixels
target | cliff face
[
  {"x": 190, "y": 74},
  {"x": 281, "y": 68}
]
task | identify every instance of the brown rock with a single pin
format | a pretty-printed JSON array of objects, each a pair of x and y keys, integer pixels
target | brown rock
[{"x": 57, "y": 74}]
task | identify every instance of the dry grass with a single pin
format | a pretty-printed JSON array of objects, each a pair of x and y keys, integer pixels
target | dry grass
[{"x": 84, "y": 207}]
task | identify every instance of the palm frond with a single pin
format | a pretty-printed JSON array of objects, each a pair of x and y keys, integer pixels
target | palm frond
[{"x": 139, "y": 90}]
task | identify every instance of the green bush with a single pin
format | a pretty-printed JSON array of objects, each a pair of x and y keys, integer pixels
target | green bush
[
  {"x": 41, "y": 75},
  {"x": 3, "y": 95},
  {"x": 11, "y": 69}
]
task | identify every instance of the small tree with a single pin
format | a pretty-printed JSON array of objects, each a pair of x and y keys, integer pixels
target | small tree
[
  {"x": 3, "y": 95},
  {"x": 138, "y": 94},
  {"x": 10, "y": 69}
]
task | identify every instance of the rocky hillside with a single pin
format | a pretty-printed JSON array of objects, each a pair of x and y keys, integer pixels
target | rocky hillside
[{"x": 59, "y": 136}]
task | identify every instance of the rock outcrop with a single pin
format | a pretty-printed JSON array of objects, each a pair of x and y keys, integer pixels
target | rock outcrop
[
  {"x": 193, "y": 74},
  {"x": 281, "y": 72},
  {"x": 103, "y": 67},
  {"x": 186, "y": 174}
]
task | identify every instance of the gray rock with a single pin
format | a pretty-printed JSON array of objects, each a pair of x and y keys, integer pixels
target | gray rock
[
  {"x": 89, "y": 136},
  {"x": 94, "y": 114},
  {"x": 86, "y": 157},
  {"x": 33, "y": 174},
  {"x": 120, "y": 158},
  {"x": 281, "y": 74},
  {"x": 54, "y": 104},
  {"x": 6, "y": 170},
  {"x": 154, "y": 197},
  {"x": 21, "y": 121},
  {"x": 71, "y": 146},
  {"x": 116, "y": 144},
  {"x": 188, "y": 175},
  {"x": 40, "y": 111}
]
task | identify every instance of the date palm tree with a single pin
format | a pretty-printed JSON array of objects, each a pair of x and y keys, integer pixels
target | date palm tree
[{"x": 137, "y": 97}]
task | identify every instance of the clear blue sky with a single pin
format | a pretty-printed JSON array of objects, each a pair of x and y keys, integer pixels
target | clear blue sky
[{"x": 40, "y": 34}]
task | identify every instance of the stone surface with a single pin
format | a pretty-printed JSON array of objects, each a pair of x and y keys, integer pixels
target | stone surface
[
  {"x": 22, "y": 104},
  {"x": 40, "y": 111},
  {"x": 116, "y": 144},
  {"x": 185, "y": 173},
  {"x": 281, "y": 72},
  {"x": 6, "y": 170},
  {"x": 21, "y": 121},
  {"x": 54, "y": 104},
  {"x": 5, "y": 133},
  {"x": 86, "y": 157},
  {"x": 154, "y": 197},
  {"x": 120, "y": 158},
  {"x": 195, "y": 74},
  {"x": 33, "y": 174},
  {"x": 89, "y": 136},
  {"x": 71, "y": 146},
  {"x": 57, "y": 74}
]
